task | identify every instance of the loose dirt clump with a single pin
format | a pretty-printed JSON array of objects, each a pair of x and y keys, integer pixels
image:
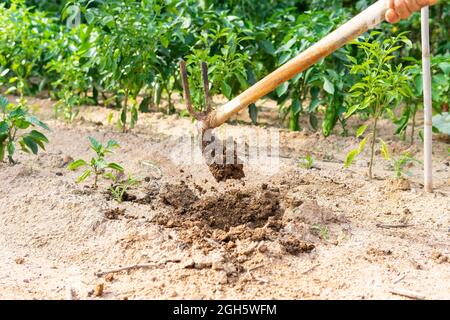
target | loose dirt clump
[
  {"x": 296, "y": 246},
  {"x": 114, "y": 214},
  {"x": 222, "y": 170},
  {"x": 178, "y": 196},
  {"x": 398, "y": 185}
]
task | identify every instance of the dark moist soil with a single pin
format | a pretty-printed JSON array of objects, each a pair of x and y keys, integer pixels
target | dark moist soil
[
  {"x": 220, "y": 219},
  {"x": 238, "y": 207},
  {"x": 296, "y": 246},
  {"x": 222, "y": 171},
  {"x": 223, "y": 210},
  {"x": 178, "y": 196},
  {"x": 114, "y": 214}
]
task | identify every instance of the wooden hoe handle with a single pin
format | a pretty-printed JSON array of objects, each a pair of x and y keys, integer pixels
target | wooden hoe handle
[{"x": 364, "y": 21}]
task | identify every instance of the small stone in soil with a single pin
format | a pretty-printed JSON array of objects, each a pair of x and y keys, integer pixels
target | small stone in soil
[
  {"x": 98, "y": 291},
  {"x": 109, "y": 277}
]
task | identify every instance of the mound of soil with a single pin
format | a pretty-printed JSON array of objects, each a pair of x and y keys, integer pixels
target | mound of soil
[
  {"x": 237, "y": 207},
  {"x": 250, "y": 213},
  {"x": 178, "y": 196},
  {"x": 224, "y": 210}
]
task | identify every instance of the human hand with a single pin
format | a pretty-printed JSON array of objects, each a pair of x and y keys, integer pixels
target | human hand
[{"x": 402, "y": 9}]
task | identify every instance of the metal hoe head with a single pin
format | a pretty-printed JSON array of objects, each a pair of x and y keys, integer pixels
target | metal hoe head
[
  {"x": 221, "y": 171},
  {"x": 199, "y": 116}
]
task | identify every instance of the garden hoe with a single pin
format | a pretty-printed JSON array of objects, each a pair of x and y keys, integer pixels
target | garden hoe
[{"x": 211, "y": 119}]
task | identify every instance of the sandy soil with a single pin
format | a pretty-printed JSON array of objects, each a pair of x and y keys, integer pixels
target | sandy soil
[{"x": 292, "y": 233}]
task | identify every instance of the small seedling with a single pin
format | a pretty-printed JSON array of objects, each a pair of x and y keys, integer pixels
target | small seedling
[
  {"x": 321, "y": 231},
  {"x": 13, "y": 120},
  {"x": 306, "y": 162},
  {"x": 381, "y": 88},
  {"x": 401, "y": 163},
  {"x": 98, "y": 165},
  {"x": 119, "y": 189}
]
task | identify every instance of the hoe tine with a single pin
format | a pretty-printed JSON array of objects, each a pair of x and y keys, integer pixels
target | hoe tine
[
  {"x": 206, "y": 86},
  {"x": 187, "y": 92}
]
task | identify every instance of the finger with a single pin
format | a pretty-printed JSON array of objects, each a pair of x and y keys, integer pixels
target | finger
[
  {"x": 412, "y": 5},
  {"x": 401, "y": 9},
  {"x": 392, "y": 4},
  {"x": 424, "y": 3},
  {"x": 392, "y": 17}
]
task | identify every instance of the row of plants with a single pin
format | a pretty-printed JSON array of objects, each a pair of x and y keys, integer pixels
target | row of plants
[
  {"x": 124, "y": 54},
  {"x": 22, "y": 131},
  {"x": 18, "y": 129}
]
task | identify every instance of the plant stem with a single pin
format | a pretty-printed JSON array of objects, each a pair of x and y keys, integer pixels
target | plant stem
[
  {"x": 293, "y": 120},
  {"x": 125, "y": 110},
  {"x": 11, "y": 137},
  {"x": 372, "y": 154},
  {"x": 95, "y": 179},
  {"x": 413, "y": 129},
  {"x": 171, "y": 109}
]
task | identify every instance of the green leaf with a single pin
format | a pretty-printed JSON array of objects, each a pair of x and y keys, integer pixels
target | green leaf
[
  {"x": 313, "y": 121},
  {"x": 267, "y": 46},
  {"x": 76, "y": 164},
  {"x": 4, "y": 73},
  {"x": 37, "y": 122},
  {"x": 3, "y": 102},
  {"x": 89, "y": 16},
  {"x": 21, "y": 124},
  {"x": 123, "y": 118},
  {"x": 296, "y": 106},
  {"x": 361, "y": 130},
  {"x": 84, "y": 176},
  {"x": 36, "y": 135},
  {"x": 442, "y": 122},
  {"x": 95, "y": 145},
  {"x": 351, "y": 111},
  {"x": 362, "y": 144},
  {"x": 253, "y": 112},
  {"x": 30, "y": 143},
  {"x": 23, "y": 146},
  {"x": 100, "y": 163},
  {"x": 112, "y": 144},
  {"x": 328, "y": 86},
  {"x": 282, "y": 89},
  {"x": 4, "y": 127},
  {"x": 226, "y": 90},
  {"x": 115, "y": 166},
  {"x": 445, "y": 67},
  {"x": 2, "y": 151},
  {"x": 350, "y": 157},
  {"x": 384, "y": 150},
  {"x": 284, "y": 58},
  {"x": 315, "y": 100}
]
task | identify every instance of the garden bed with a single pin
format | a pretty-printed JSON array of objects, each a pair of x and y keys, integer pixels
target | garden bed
[{"x": 325, "y": 232}]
